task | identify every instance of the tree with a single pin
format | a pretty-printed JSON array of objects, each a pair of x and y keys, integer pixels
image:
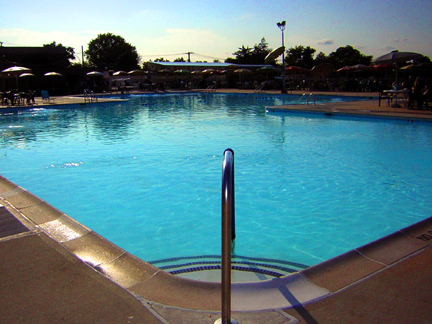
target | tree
[
  {"x": 179, "y": 59},
  {"x": 108, "y": 51},
  {"x": 243, "y": 55},
  {"x": 161, "y": 59},
  {"x": 301, "y": 56},
  {"x": 321, "y": 58},
  {"x": 347, "y": 56},
  {"x": 70, "y": 53},
  {"x": 247, "y": 55}
]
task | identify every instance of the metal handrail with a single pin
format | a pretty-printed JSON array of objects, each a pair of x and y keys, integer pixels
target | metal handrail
[
  {"x": 307, "y": 96},
  {"x": 228, "y": 232},
  {"x": 311, "y": 95}
]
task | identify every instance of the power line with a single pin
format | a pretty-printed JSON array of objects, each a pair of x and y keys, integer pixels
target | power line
[{"x": 188, "y": 53}]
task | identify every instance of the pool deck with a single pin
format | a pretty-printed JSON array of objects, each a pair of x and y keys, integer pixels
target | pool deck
[{"x": 55, "y": 270}]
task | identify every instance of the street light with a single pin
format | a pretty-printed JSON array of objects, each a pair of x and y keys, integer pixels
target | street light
[{"x": 281, "y": 26}]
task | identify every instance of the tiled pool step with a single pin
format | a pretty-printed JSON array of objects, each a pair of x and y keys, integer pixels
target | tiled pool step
[{"x": 207, "y": 267}]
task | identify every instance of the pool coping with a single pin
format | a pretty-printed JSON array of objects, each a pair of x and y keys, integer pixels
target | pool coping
[
  {"x": 364, "y": 108},
  {"x": 156, "y": 287}
]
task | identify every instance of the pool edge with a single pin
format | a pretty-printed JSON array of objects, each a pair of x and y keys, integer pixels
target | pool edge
[{"x": 152, "y": 284}]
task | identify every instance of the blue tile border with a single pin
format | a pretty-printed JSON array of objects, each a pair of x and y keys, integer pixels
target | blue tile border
[
  {"x": 218, "y": 267},
  {"x": 212, "y": 256}
]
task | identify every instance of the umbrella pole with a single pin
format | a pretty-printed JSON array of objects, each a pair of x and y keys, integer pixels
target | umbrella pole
[{"x": 396, "y": 82}]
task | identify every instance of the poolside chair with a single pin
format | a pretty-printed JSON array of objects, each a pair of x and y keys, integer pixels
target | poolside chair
[
  {"x": 384, "y": 96},
  {"x": 45, "y": 97}
]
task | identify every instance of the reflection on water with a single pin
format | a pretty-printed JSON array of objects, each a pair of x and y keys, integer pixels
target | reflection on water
[{"x": 146, "y": 173}]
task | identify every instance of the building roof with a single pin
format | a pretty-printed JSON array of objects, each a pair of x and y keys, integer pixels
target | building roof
[{"x": 203, "y": 65}]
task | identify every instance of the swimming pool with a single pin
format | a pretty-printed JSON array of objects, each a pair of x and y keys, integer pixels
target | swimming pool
[{"x": 147, "y": 174}]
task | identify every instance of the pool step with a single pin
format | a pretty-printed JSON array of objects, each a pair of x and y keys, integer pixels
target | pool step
[{"x": 207, "y": 267}]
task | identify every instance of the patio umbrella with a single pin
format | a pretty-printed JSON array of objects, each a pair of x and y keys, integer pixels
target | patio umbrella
[
  {"x": 344, "y": 69},
  {"x": 396, "y": 57},
  {"x": 119, "y": 73},
  {"x": 208, "y": 71},
  {"x": 53, "y": 74},
  {"x": 181, "y": 72},
  {"x": 95, "y": 73},
  {"x": 26, "y": 76},
  {"x": 240, "y": 72},
  {"x": 360, "y": 67},
  {"x": 323, "y": 69},
  {"x": 137, "y": 72},
  {"x": 15, "y": 71},
  {"x": 267, "y": 70},
  {"x": 55, "y": 81},
  {"x": 292, "y": 69}
]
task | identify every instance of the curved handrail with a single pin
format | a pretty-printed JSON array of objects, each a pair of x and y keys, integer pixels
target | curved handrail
[
  {"x": 228, "y": 200},
  {"x": 228, "y": 231}
]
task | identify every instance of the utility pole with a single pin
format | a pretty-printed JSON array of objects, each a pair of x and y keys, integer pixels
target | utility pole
[{"x": 189, "y": 54}]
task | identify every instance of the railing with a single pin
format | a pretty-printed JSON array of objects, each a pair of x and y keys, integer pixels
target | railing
[
  {"x": 210, "y": 88},
  {"x": 306, "y": 97},
  {"x": 228, "y": 234},
  {"x": 260, "y": 88},
  {"x": 90, "y": 96}
]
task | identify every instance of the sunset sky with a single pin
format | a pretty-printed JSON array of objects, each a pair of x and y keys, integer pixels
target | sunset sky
[{"x": 216, "y": 29}]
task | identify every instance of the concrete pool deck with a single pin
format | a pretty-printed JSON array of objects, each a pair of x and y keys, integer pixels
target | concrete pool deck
[{"x": 56, "y": 270}]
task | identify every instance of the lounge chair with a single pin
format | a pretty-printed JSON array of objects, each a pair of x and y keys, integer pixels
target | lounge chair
[{"x": 45, "y": 97}]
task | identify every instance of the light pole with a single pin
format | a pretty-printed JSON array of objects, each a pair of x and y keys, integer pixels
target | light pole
[{"x": 281, "y": 26}]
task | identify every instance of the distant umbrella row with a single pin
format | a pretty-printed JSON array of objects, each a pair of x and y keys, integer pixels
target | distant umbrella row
[
  {"x": 21, "y": 71},
  {"x": 387, "y": 61}
]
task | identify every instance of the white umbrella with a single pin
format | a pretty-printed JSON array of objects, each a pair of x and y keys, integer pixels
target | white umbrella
[
  {"x": 137, "y": 72},
  {"x": 16, "y": 71},
  {"x": 26, "y": 75},
  {"x": 117, "y": 73},
  {"x": 95, "y": 73},
  {"x": 53, "y": 74},
  {"x": 54, "y": 78}
]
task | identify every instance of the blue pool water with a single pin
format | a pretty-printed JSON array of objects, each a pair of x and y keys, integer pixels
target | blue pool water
[{"x": 146, "y": 174}]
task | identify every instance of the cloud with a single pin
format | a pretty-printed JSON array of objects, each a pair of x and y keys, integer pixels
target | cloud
[
  {"x": 388, "y": 48},
  {"x": 23, "y": 37},
  {"x": 326, "y": 41},
  {"x": 400, "y": 40}
]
